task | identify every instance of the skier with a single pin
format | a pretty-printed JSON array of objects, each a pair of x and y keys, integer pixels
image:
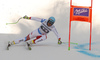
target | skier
[{"x": 40, "y": 33}]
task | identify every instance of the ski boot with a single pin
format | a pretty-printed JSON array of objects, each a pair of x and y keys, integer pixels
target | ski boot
[
  {"x": 9, "y": 44},
  {"x": 28, "y": 45}
]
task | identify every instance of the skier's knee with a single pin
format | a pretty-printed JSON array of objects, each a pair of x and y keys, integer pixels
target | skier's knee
[{"x": 27, "y": 38}]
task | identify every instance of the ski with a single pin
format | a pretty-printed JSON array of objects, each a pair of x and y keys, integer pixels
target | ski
[{"x": 28, "y": 45}]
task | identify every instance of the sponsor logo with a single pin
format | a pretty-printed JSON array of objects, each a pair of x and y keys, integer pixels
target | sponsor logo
[{"x": 81, "y": 11}]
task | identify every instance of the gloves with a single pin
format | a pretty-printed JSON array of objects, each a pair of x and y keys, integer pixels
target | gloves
[
  {"x": 26, "y": 17},
  {"x": 59, "y": 41}
]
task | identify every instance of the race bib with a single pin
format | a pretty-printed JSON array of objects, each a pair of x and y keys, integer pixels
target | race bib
[{"x": 44, "y": 29}]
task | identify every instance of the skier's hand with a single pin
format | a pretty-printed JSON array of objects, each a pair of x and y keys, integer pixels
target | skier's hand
[
  {"x": 26, "y": 17},
  {"x": 59, "y": 41}
]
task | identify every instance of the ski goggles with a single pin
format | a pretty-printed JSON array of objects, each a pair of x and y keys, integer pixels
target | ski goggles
[{"x": 50, "y": 21}]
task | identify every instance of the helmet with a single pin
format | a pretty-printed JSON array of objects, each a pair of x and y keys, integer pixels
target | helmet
[{"x": 51, "y": 20}]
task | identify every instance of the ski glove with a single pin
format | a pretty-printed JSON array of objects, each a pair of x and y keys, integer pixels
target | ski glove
[
  {"x": 26, "y": 17},
  {"x": 59, "y": 41}
]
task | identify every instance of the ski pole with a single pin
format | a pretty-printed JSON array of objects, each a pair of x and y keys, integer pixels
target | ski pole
[
  {"x": 70, "y": 43},
  {"x": 14, "y": 22}
]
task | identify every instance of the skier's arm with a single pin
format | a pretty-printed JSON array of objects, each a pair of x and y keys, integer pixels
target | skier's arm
[
  {"x": 34, "y": 18},
  {"x": 58, "y": 36}
]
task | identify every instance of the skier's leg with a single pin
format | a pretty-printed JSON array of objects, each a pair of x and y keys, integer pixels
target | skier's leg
[
  {"x": 31, "y": 35},
  {"x": 39, "y": 38}
]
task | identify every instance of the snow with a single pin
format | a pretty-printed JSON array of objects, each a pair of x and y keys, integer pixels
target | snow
[{"x": 12, "y": 10}]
